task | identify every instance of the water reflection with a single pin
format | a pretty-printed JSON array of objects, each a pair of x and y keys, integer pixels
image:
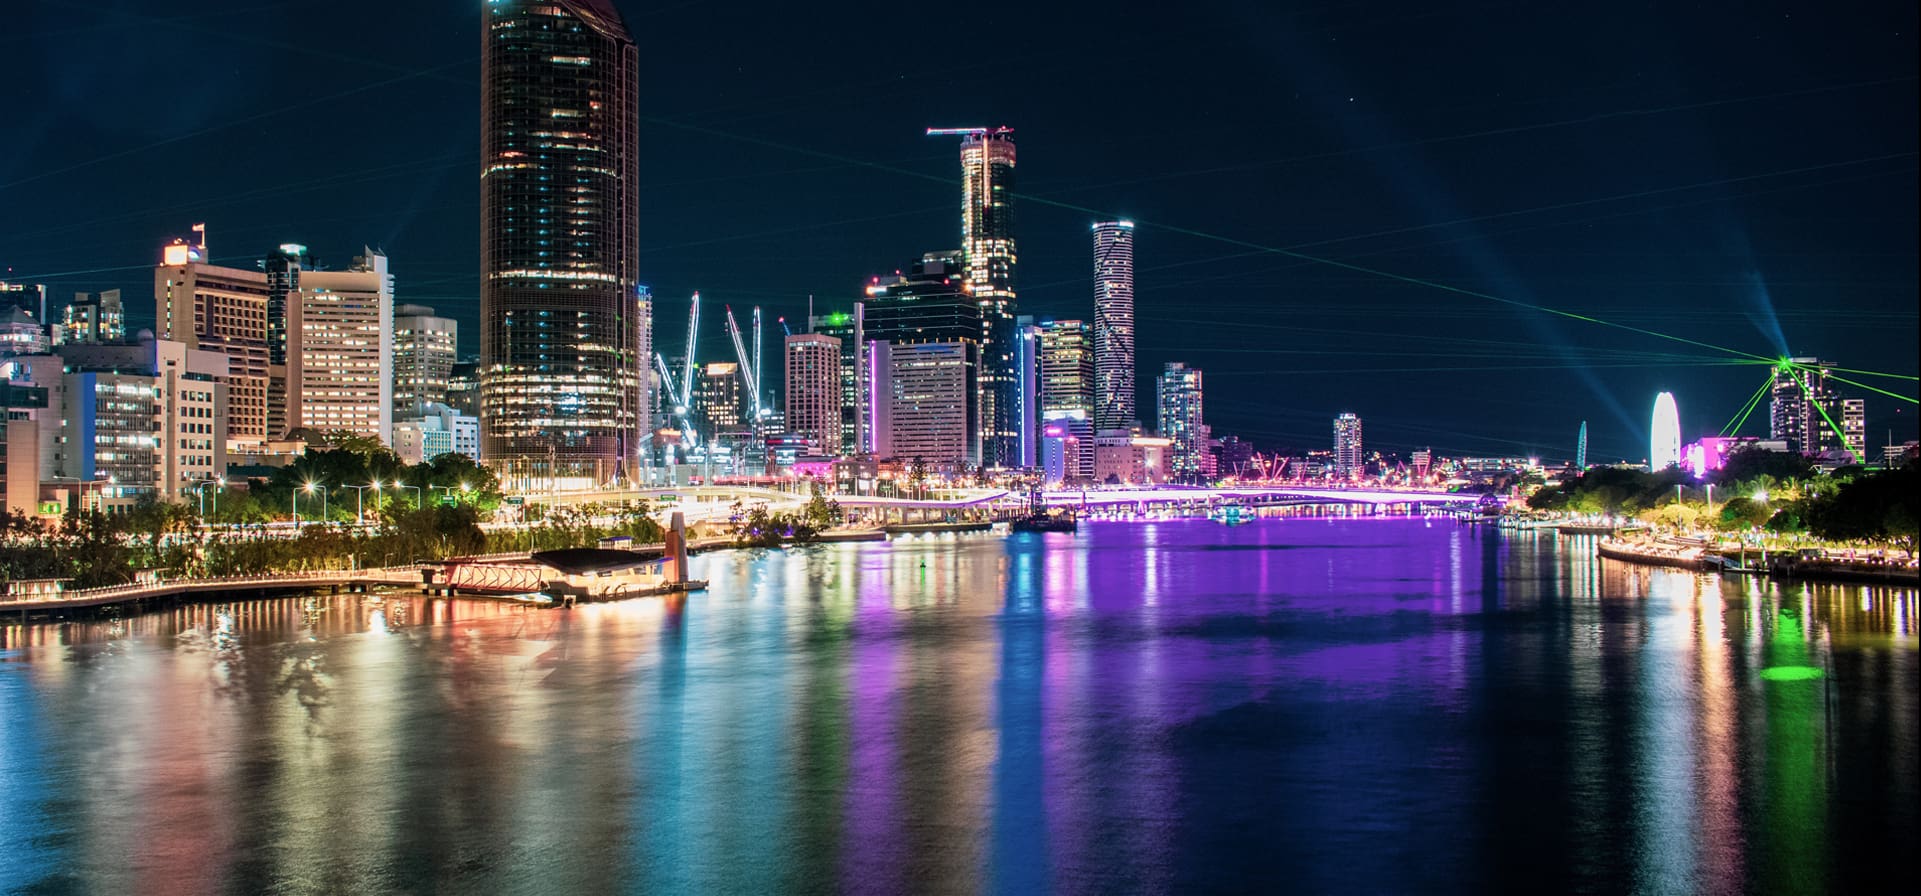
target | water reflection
[{"x": 1317, "y": 705}]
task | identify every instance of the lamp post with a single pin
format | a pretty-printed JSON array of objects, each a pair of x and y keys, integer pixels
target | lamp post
[
  {"x": 310, "y": 489},
  {"x": 360, "y": 493},
  {"x": 398, "y": 485}
]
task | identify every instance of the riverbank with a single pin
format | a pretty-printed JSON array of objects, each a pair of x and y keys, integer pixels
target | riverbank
[{"x": 1805, "y": 565}]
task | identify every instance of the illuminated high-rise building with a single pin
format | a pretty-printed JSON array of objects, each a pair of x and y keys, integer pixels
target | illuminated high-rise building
[
  {"x": 929, "y": 319},
  {"x": 813, "y": 383},
  {"x": 1854, "y": 428},
  {"x": 988, "y": 248},
  {"x": 1664, "y": 439},
  {"x": 563, "y": 322},
  {"x": 219, "y": 309},
  {"x": 1348, "y": 463},
  {"x": 424, "y": 354},
  {"x": 1801, "y": 406},
  {"x": 283, "y": 266},
  {"x": 1179, "y": 405},
  {"x": 1113, "y": 325},
  {"x": 719, "y": 396},
  {"x": 850, "y": 328},
  {"x": 1066, "y": 369},
  {"x": 340, "y": 350},
  {"x": 96, "y": 318}
]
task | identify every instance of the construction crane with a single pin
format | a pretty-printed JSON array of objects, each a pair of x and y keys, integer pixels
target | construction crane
[
  {"x": 967, "y": 132},
  {"x": 757, "y": 368},
  {"x": 680, "y": 391},
  {"x": 687, "y": 364},
  {"x": 747, "y": 371}
]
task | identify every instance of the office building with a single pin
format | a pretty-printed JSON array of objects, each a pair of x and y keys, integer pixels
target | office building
[
  {"x": 1178, "y": 393},
  {"x": 21, "y": 333},
  {"x": 1803, "y": 409},
  {"x": 850, "y": 328},
  {"x": 1067, "y": 450},
  {"x": 1854, "y": 428},
  {"x": 720, "y": 399},
  {"x": 564, "y": 324},
  {"x": 1027, "y": 391},
  {"x": 1067, "y": 372},
  {"x": 463, "y": 388},
  {"x": 990, "y": 255},
  {"x": 1128, "y": 459},
  {"x": 1114, "y": 325},
  {"x": 923, "y": 407},
  {"x": 424, "y": 355},
  {"x": 340, "y": 351},
  {"x": 95, "y": 317},
  {"x": 220, "y": 309},
  {"x": 142, "y": 420},
  {"x": 932, "y": 325},
  {"x": 23, "y": 408},
  {"x": 1347, "y": 458},
  {"x": 813, "y": 384}
]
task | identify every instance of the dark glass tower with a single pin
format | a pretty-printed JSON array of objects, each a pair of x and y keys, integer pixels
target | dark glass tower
[
  {"x": 563, "y": 325},
  {"x": 987, "y": 238}
]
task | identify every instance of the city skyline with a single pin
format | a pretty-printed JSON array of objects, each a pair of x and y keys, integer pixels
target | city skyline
[{"x": 1753, "y": 270}]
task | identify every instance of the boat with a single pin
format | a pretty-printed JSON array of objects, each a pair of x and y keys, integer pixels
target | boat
[
  {"x": 1045, "y": 522},
  {"x": 1231, "y": 513}
]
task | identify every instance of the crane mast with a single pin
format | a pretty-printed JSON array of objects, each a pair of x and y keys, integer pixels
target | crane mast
[
  {"x": 687, "y": 364},
  {"x": 740, "y": 352},
  {"x": 757, "y": 367}
]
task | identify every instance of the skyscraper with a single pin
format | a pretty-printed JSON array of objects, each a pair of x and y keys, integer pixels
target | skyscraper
[
  {"x": 1066, "y": 369},
  {"x": 340, "y": 350},
  {"x": 813, "y": 386},
  {"x": 283, "y": 266},
  {"x": 563, "y": 323},
  {"x": 1178, "y": 393},
  {"x": 1801, "y": 406},
  {"x": 1854, "y": 428},
  {"x": 219, "y": 309},
  {"x": 987, "y": 243},
  {"x": 929, "y": 318},
  {"x": 1114, "y": 325},
  {"x": 1347, "y": 447},
  {"x": 424, "y": 355},
  {"x": 850, "y": 328},
  {"x": 1664, "y": 440}
]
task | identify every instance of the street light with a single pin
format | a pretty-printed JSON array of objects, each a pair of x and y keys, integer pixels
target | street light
[
  {"x": 398, "y": 485},
  {"x": 360, "y": 493},
  {"x": 311, "y": 486},
  {"x": 309, "y": 489}
]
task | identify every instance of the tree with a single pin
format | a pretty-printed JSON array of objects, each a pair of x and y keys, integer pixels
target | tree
[
  {"x": 1750, "y": 463},
  {"x": 821, "y": 512},
  {"x": 1744, "y": 513}
]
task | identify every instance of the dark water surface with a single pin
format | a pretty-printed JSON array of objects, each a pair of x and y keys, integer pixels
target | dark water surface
[{"x": 1341, "y": 705}]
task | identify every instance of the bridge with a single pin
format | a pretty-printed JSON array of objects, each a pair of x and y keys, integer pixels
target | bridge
[
  {"x": 712, "y": 503},
  {"x": 1175, "y": 495}
]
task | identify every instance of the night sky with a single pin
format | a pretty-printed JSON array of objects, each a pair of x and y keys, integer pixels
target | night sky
[{"x": 1745, "y": 179}]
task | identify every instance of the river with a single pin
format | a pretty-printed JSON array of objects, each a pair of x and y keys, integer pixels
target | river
[{"x": 1304, "y": 705}]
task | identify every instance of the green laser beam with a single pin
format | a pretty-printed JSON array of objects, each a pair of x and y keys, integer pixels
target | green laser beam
[
  {"x": 1795, "y": 371},
  {"x": 1907, "y": 398},
  {"x": 1892, "y": 376},
  {"x": 1741, "y": 416}
]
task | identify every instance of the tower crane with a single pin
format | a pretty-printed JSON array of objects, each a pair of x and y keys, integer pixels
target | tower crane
[
  {"x": 680, "y": 391},
  {"x": 747, "y": 371}
]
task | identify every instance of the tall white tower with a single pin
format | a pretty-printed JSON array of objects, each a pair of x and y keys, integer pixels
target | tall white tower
[
  {"x": 1664, "y": 446},
  {"x": 1113, "y": 325}
]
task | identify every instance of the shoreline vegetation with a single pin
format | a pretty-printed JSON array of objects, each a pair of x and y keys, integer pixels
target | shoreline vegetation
[{"x": 356, "y": 506}]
